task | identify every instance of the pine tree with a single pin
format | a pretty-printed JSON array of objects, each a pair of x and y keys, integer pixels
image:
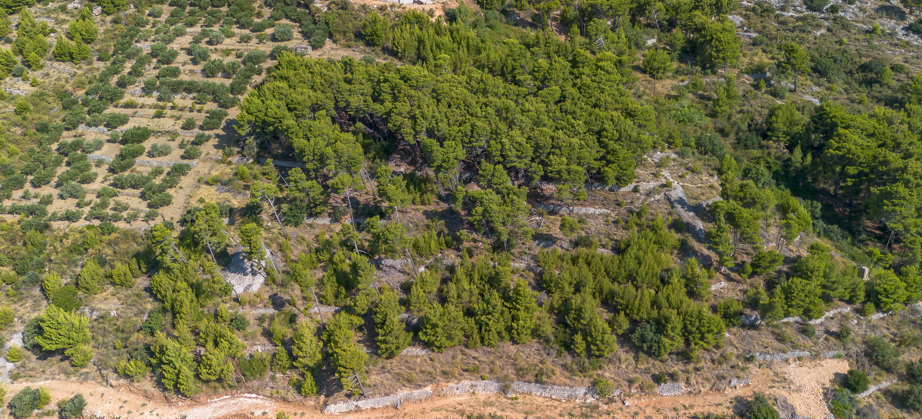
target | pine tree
[
  {"x": 121, "y": 275},
  {"x": 80, "y": 52},
  {"x": 62, "y": 330},
  {"x": 30, "y": 38},
  {"x": 251, "y": 239},
  {"x": 278, "y": 331},
  {"x": 79, "y": 355},
  {"x": 89, "y": 277},
  {"x": 62, "y": 50},
  {"x": 175, "y": 364},
  {"x": 523, "y": 306},
  {"x": 305, "y": 348},
  {"x": 214, "y": 366},
  {"x": 601, "y": 340},
  {"x": 51, "y": 283},
  {"x": 281, "y": 361},
  {"x": 83, "y": 28},
  {"x": 442, "y": 327},
  {"x": 7, "y": 62},
  {"x": 888, "y": 290},
  {"x": 374, "y": 29},
  {"x": 34, "y": 61},
  {"x": 6, "y": 25},
  {"x": 309, "y": 385},
  {"x": 392, "y": 336},
  {"x": 696, "y": 280}
]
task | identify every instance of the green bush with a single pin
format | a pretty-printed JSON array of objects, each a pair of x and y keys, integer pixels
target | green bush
[
  {"x": 136, "y": 135},
  {"x": 200, "y": 139},
  {"x": 283, "y": 33},
  {"x": 880, "y": 352},
  {"x": 192, "y": 153},
  {"x": 188, "y": 124},
  {"x": 73, "y": 407},
  {"x": 67, "y": 298},
  {"x": 72, "y": 190},
  {"x": 856, "y": 381},
  {"x": 568, "y": 226},
  {"x": 159, "y": 150},
  {"x": 912, "y": 397},
  {"x": 25, "y": 402},
  {"x": 254, "y": 367},
  {"x": 816, "y": 5},
  {"x": 760, "y": 408}
]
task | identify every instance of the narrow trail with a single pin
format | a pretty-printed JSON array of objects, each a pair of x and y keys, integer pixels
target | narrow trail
[{"x": 805, "y": 393}]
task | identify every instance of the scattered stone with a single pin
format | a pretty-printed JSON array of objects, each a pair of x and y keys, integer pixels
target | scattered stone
[
  {"x": 318, "y": 220},
  {"x": 878, "y": 315},
  {"x": 94, "y": 157},
  {"x": 416, "y": 352},
  {"x": 753, "y": 320},
  {"x": 244, "y": 275},
  {"x": 875, "y": 388},
  {"x": 553, "y": 392},
  {"x": 828, "y": 315},
  {"x": 74, "y": 5},
  {"x": 812, "y": 100},
  {"x": 377, "y": 402},
  {"x": 473, "y": 387},
  {"x": 671, "y": 389},
  {"x": 738, "y": 382},
  {"x": 738, "y": 21},
  {"x": 780, "y": 357},
  {"x": 153, "y": 163},
  {"x": 560, "y": 209}
]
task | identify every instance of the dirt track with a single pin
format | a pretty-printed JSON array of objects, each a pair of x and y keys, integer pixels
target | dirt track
[{"x": 802, "y": 383}]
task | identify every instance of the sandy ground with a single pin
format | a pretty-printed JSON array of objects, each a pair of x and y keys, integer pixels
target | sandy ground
[{"x": 802, "y": 383}]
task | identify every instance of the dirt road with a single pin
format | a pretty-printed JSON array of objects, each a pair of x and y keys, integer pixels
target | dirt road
[{"x": 801, "y": 383}]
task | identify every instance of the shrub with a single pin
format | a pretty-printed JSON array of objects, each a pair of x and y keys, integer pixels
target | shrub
[
  {"x": 25, "y": 402},
  {"x": 816, "y": 5},
  {"x": 72, "y": 190},
  {"x": 159, "y": 150},
  {"x": 603, "y": 387},
  {"x": 760, "y": 408},
  {"x": 188, "y": 124},
  {"x": 136, "y": 135},
  {"x": 73, "y": 407},
  {"x": 856, "y": 381},
  {"x": 255, "y": 57},
  {"x": 880, "y": 352},
  {"x": 912, "y": 398},
  {"x": 14, "y": 354},
  {"x": 568, "y": 226},
  {"x": 216, "y": 38},
  {"x": 201, "y": 138},
  {"x": 213, "y": 68},
  {"x": 160, "y": 200},
  {"x": 778, "y": 91},
  {"x": 131, "y": 151},
  {"x": 808, "y": 330},
  {"x": 254, "y": 367},
  {"x": 67, "y": 298},
  {"x": 192, "y": 152},
  {"x": 283, "y": 33},
  {"x": 153, "y": 323}
]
